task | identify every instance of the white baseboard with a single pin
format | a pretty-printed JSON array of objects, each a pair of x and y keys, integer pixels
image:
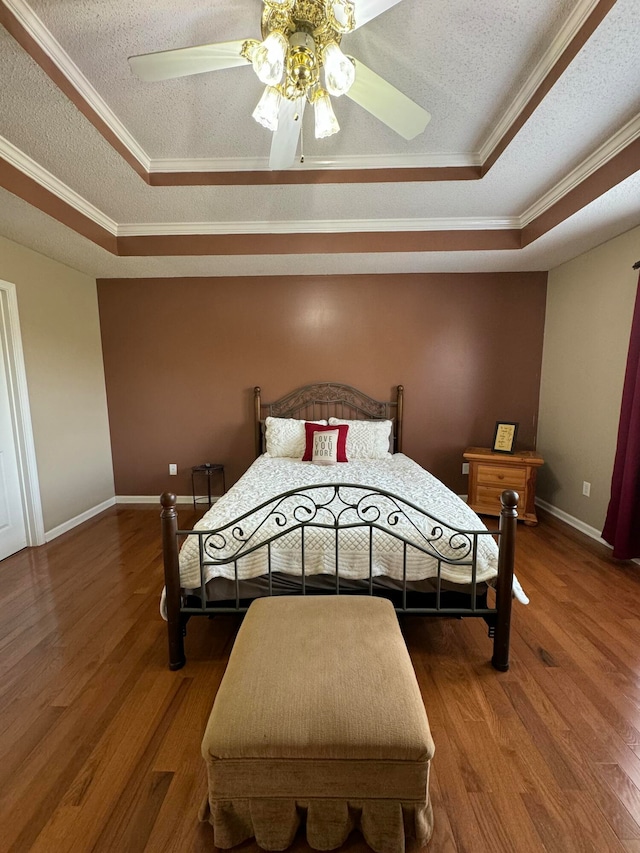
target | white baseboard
[
  {"x": 118, "y": 499},
  {"x": 79, "y": 519},
  {"x": 572, "y": 521}
]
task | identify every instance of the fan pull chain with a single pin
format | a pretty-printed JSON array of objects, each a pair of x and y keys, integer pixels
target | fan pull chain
[{"x": 301, "y": 142}]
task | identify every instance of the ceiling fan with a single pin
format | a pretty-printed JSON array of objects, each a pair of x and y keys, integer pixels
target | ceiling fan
[{"x": 299, "y": 38}]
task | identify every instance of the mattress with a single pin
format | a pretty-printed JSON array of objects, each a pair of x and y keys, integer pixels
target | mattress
[{"x": 435, "y": 543}]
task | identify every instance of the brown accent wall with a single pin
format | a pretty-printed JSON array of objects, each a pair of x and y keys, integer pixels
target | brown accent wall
[{"x": 182, "y": 357}]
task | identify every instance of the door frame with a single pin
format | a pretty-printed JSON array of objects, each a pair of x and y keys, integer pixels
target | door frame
[{"x": 21, "y": 415}]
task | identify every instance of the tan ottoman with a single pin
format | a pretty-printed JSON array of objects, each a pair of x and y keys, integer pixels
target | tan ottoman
[{"x": 319, "y": 720}]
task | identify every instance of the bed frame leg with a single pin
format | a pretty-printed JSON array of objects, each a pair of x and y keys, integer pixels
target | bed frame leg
[
  {"x": 175, "y": 626},
  {"x": 504, "y": 585}
]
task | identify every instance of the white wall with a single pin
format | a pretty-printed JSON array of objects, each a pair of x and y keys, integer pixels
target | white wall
[
  {"x": 590, "y": 304},
  {"x": 60, "y": 332}
]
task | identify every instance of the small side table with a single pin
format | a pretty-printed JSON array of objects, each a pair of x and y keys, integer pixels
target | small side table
[{"x": 207, "y": 470}]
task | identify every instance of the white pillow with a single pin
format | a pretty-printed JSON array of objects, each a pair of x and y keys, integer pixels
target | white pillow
[
  {"x": 366, "y": 439},
  {"x": 286, "y": 436},
  {"x": 325, "y": 447}
]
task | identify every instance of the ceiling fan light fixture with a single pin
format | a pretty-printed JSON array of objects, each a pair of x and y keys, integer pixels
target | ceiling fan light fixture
[
  {"x": 268, "y": 58},
  {"x": 268, "y": 108},
  {"x": 339, "y": 71},
  {"x": 299, "y": 39},
  {"x": 326, "y": 121}
]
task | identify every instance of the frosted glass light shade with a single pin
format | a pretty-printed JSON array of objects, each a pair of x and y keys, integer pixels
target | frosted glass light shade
[
  {"x": 340, "y": 14},
  {"x": 339, "y": 71},
  {"x": 268, "y": 58},
  {"x": 326, "y": 121},
  {"x": 268, "y": 109}
]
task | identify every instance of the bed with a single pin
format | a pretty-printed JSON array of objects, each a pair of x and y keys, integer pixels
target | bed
[{"x": 374, "y": 523}]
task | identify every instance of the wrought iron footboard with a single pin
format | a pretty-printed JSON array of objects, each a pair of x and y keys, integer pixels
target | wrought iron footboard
[{"x": 347, "y": 531}]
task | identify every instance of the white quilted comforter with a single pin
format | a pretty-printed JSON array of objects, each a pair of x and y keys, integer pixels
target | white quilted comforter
[{"x": 268, "y": 477}]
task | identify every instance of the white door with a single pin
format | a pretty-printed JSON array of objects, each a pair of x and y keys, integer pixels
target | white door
[{"x": 13, "y": 534}]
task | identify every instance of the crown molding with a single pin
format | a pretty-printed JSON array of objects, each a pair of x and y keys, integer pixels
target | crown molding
[
  {"x": 610, "y": 149},
  {"x": 25, "y": 164},
  {"x": 32, "y": 24},
  {"x": 319, "y": 226},
  {"x": 41, "y": 176},
  {"x": 569, "y": 30},
  {"x": 613, "y": 146},
  {"x": 348, "y": 162}
]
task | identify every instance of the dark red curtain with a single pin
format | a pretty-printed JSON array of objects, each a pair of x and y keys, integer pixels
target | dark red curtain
[{"x": 622, "y": 525}]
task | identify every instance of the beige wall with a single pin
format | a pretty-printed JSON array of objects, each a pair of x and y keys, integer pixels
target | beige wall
[
  {"x": 63, "y": 359},
  {"x": 588, "y": 321}
]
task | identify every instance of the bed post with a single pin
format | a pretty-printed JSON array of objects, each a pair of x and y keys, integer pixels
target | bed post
[
  {"x": 258, "y": 412},
  {"x": 399, "y": 413},
  {"x": 504, "y": 584},
  {"x": 169, "y": 522}
]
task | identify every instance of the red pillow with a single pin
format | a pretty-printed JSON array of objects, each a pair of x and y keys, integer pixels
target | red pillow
[{"x": 342, "y": 440}]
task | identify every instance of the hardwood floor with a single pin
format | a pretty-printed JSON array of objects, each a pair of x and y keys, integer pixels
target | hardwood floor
[{"x": 100, "y": 743}]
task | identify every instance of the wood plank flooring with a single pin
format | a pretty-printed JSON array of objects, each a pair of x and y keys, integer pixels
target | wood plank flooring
[{"x": 100, "y": 743}]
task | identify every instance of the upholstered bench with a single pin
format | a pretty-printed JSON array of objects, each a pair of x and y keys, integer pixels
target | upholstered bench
[{"x": 319, "y": 720}]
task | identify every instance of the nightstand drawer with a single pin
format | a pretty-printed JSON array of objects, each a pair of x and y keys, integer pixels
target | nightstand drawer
[
  {"x": 489, "y": 497},
  {"x": 501, "y": 477}
]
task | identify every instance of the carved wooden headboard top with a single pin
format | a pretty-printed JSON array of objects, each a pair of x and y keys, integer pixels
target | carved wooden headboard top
[{"x": 330, "y": 400}]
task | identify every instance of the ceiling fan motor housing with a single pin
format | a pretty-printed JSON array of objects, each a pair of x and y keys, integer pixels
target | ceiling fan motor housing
[{"x": 303, "y": 68}]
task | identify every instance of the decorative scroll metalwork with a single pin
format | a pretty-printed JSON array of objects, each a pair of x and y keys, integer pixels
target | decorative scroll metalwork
[{"x": 339, "y": 507}]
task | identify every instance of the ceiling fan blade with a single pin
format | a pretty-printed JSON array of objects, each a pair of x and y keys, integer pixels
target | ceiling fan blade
[
  {"x": 285, "y": 139},
  {"x": 366, "y": 10},
  {"x": 387, "y": 103},
  {"x": 168, "y": 64}
]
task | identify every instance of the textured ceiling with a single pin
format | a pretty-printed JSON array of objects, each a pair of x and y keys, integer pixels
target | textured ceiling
[
  {"x": 435, "y": 52},
  {"x": 468, "y": 63}
]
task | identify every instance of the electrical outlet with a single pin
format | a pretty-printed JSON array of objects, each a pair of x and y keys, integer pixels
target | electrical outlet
[
  {"x": 465, "y": 467},
  {"x": 586, "y": 489},
  {"x": 173, "y": 468}
]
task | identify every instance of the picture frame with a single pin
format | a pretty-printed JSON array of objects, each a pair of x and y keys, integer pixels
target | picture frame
[{"x": 504, "y": 437}]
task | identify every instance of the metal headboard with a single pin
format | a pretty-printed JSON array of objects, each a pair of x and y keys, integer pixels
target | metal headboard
[{"x": 330, "y": 400}]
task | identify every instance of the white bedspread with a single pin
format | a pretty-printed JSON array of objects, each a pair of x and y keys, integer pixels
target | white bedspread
[{"x": 268, "y": 477}]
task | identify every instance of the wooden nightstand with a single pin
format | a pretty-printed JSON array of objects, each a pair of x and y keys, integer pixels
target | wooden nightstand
[{"x": 491, "y": 473}]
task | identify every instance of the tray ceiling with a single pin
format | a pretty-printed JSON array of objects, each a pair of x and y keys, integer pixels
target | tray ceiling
[{"x": 532, "y": 154}]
